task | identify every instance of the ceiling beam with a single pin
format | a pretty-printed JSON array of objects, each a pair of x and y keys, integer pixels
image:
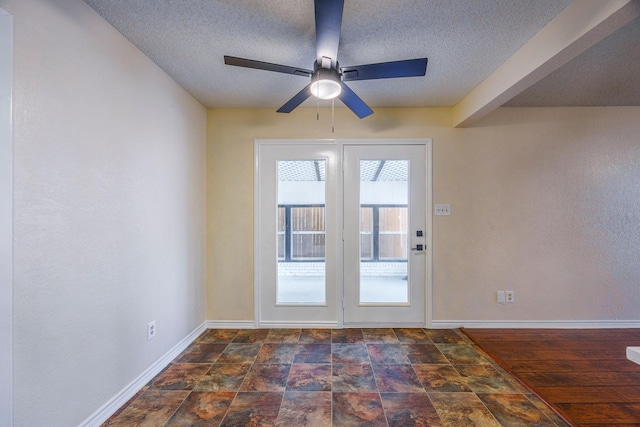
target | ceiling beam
[{"x": 577, "y": 28}]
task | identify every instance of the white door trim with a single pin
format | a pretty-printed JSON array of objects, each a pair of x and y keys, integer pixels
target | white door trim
[
  {"x": 427, "y": 142},
  {"x": 6, "y": 219}
]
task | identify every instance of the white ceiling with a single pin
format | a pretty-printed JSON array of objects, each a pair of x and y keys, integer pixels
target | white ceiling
[{"x": 466, "y": 42}]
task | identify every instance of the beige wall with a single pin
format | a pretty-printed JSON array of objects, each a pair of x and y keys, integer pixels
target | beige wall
[
  {"x": 545, "y": 202},
  {"x": 109, "y": 212}
]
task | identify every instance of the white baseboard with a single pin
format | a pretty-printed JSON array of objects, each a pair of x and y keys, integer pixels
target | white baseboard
[
  {"x": 310, "y": 324},
  {"x": 230, "y": 324},
  {"x": 385, "y": 325},
  {"x": 541, "y": 324},
  {"x": 109, "y": 408},
  {"x": 251, "y": 324}
]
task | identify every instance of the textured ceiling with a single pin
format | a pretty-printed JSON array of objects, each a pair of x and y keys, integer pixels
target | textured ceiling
[{"x": 465, "y": 41}]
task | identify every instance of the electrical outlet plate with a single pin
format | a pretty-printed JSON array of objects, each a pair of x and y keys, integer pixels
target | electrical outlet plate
[
  {"x": 151, "y": 330},
  {"x": 510, "y": 296},
  {"x": 443, "y": 210},
  {"x": 500, "y": 297}
]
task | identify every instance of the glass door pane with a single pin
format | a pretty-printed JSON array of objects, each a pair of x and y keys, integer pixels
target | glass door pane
[
  {"x": 301, "y": 232},
  {"x": 383, "y": 232}
]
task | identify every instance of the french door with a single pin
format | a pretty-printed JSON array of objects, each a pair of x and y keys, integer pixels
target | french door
[
  {"x": 384, "y": 234},
  {"x": 296, "y": 211},
  {"x": 341, "y": 233}
]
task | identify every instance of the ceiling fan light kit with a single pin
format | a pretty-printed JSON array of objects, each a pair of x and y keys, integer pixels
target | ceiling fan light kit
[
  {"x": 325, "y": 83},
  {"x": 327, "y": 79}
]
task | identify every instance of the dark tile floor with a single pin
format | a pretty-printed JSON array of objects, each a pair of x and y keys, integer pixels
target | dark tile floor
[{"x": 323, "y": 377}]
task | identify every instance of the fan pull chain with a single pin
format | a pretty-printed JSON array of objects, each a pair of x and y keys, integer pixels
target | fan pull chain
[
  {"x": 318, "y": 99},
  {"x": 333, "y": 121}
]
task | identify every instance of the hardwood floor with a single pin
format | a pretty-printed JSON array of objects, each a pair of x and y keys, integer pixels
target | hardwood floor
[{"x": 582, "y": 373}]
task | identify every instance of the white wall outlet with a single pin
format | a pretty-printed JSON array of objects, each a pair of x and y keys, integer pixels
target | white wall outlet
[
  {"x": 151, "y": 330},
  {"x": 510, "y": 296},
  {"x": 443, "y": 210},
  {"x": 500, "y": 297}
]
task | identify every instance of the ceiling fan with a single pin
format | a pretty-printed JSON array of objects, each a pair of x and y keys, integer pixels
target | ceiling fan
[{"x": 327, "y": 77}]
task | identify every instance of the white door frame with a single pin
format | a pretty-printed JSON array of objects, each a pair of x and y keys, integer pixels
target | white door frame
[
  {"x": 6, "y": 220},
  {"x": 340, "y": 144}
]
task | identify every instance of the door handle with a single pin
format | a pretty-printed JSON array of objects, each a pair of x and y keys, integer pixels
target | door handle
[{"x": 418, "y": 248}]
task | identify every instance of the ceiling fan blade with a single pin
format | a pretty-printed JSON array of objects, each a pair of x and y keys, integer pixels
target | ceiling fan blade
[
  {"x": 386, "y": 70},
  {"x": 328, "y": 23},
  {"x": 259, "y": 65},
  {"x": 297, "y": 99},
  {"x": 353, "y": 101}
]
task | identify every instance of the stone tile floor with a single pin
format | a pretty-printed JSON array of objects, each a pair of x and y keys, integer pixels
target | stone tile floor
[{"x": 339, "y": 377}]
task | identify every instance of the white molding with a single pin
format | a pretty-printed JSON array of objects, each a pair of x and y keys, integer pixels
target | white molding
[
  {"x": 340, "y": 288},
  {"x": 6, "y": 219},
  {"x": 540, "y": 324},
  {"x": 116, "y": 402},
  {"x": 230, "y": 324},
  {"x": 294, "y": 141},
  {"x": 383, "y": 141},
  {"x": 429, "y": 241},
  {"x": 384, "y": 325},
  {"x": 257, "y": 261},
  {"x": 299, "y": 324}
]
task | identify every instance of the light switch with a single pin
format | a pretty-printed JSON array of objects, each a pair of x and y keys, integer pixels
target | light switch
[{"x": 443, "y": 210}]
